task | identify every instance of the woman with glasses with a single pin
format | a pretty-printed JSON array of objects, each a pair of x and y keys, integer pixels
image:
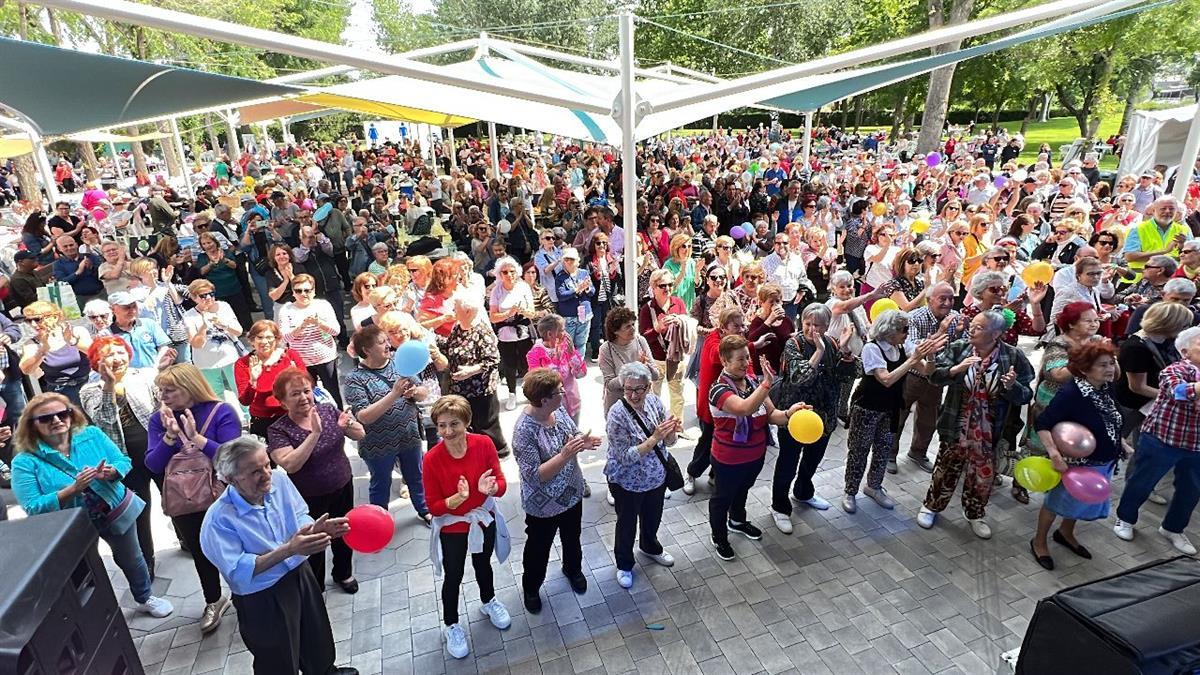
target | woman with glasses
[
  {"x": 213, "y": 333},
  {"x": 973, "y": 246},
  {"x": 878, "y": 258},
  {"x": 436, "y": 309},
  {"x": 1022, "y": 229},
  {"x": 510, "y": 308},
  {"x": 220, "y": 269},
  {"x": 608, "y": 282},
  {"x": 1092, "y": 284},
  {"x": 310, "y": 327},
  {"x": 1060, "y": 247},
  {"x": 361, "y": 288},
  {"x": 255, "y": 373},
  {"x": 420, "y": 271},
  {"x": 1108, "y": 251},
  {"x": 388, "y": 406},
  {"x": 57, "y": 352},
  {"x": 656, "y": 237},
  {"x": 942, "y": 223},
  {"x": 769, "y": 327},
  {"x": 661, "y": 322},
  {"x": 876, "y": 403},
  {"x": 62, "y": 463},
  {"x": 745, "y": 296},
  {"x": 684, "y": 270},
  {"x": 725, "y": 258},
  {"x": 639, "y": 433},
  {"x": 820, "y": 261},
  {"x": 1121, "y": 215},
  {"x": 952, "y": 252},
  {"x": 907, "y": 285},
  {"x": 542, "y": 304},
  {"x": 716, "y": 286}
]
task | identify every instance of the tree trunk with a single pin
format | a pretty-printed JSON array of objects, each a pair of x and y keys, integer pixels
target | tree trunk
[
  {"x": 214, "y": 141},
  {"x": 996, "y": 117},
  {"x": 898, "y": 114},
  {"x": 858, "y": 112},
  {"x": 845, "y": 114},
  {"x": 1030, "y": 111},
  {"x": 27, "y": 177},
  {"x": 139, "y": 154},
  {"x": 937, "y": 98},
  {"x": 174, "y": 166},
  {"x": 91, "y": 165},
  {"x": 22, "y": 23}
]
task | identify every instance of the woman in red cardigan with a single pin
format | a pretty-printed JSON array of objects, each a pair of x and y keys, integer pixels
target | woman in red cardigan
[
  {"x": 254, "y": 374},
  {"x": 462, "y": 475}
]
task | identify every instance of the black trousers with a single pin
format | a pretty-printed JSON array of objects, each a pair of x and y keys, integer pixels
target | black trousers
[
  {"x": 454, "y": 563},
  {"x": 327, "y": 376},
  {"x": 485, "y": 419},
  {"x": 513, "y": 364},
  {"x": 337, "y": 504},
  {"x": 286, "y": 626},
  {"x": 240, "y": 304},
  {"x": 797, "y": 462},
  {"x": 259, "y": 425},
  {"x": 188, "y": 529},
  {"x": 702, "y": 455},
  {"x": 729, "y": 502},
  {"x": 539, "y": 538},
  {"x": 637, "y": 511}
]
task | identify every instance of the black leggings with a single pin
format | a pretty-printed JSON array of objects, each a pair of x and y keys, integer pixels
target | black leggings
[
  {"x": 485, "y": 419},
  {"x": 240, "y": 304},
  {"x": 337, "y": 504},
  {"x": 326, "y": 374},
  {"x": 188, "y": 529},
  {"x": 454, "y": 562},
  {"x": 513, "y": 364}
]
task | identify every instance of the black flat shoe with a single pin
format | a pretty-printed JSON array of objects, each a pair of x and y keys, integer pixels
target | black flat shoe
[
  {"x": 1044, "y": 560},
  {"x": 533, "y": 602},
  {"x": 1077, "y": 549},
  {"x": 578, "y": 582},
  {"x": 348, "y": 585}
]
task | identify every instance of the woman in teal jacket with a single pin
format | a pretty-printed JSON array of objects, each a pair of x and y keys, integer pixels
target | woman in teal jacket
[{"x": 62, "y": 463}]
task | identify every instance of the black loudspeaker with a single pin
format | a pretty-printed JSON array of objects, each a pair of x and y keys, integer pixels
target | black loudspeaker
[
  {"x": 1144, "y": 620},
  {"x": 58, "y": 613}
]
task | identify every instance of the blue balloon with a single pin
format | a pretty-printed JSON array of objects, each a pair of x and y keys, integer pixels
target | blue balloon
[
  {"x": 323, "y": 212},
  {"x": 411, "y": 358}
]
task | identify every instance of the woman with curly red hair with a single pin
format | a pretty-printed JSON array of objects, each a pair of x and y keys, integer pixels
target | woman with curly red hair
[{"x": 1085, "y": 399}]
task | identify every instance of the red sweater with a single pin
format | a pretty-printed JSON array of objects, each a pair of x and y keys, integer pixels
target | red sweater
[
  {"x": 710, "y": 370},
  {"x": 440, "y": 473},
  {"x": 257, "y": 395}
]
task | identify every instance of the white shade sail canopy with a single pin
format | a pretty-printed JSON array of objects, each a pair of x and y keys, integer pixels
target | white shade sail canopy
[{"x": 1156, "y": 137}]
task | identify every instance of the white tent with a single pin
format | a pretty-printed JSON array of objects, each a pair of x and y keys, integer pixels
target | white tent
[{"x": 1156, "y": 137}]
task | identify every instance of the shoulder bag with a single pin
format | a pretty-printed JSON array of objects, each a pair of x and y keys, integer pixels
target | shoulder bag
[{"x": 670, "y": 466}]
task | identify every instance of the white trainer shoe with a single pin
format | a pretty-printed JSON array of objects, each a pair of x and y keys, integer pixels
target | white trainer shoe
[
  {"x": 612, "y": 501},
  {"x": 1123, "y": 530},
  {"x": 1179, "y": 540},
  {"x": 159, "y": 608},
  {"x": 665, "y": 559},
  {"x": 456, "y": 641},
  {"x": 980, "y": 527},
  {"x": 511, "y": 402},
  {"x": 782, "y": 521},
  {"x": 625, "y": 578},
  {"x": 689, "y": 485},
  {"x": 925, "y": 517},
  {"x": 816, "y": 502},
  {"x": 498, "y": 613}
]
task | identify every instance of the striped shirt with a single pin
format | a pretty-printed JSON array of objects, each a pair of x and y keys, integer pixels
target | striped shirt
[
  {"x": 731, "y": 445},
  {"x": 313, "y": 343}
]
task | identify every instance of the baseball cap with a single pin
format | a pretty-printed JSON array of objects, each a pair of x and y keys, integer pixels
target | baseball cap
[
  {"x": 121, "y": 298},
  {"x": 1148, "y": 174},
  {"x": 24, "y": 255}
]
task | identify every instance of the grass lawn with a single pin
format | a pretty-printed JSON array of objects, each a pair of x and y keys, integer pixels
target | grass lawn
[{"x": 1058, "y": 132}]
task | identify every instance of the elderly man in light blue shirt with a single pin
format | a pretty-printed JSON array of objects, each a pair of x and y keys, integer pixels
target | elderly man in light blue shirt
[{"x": 259, "y": 535}]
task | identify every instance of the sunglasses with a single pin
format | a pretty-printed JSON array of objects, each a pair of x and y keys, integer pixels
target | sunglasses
[
  {"x": 1000, "y": 258},
  {"x": 1105, "y": 242},
  {"x": 48, "y": 418},
  {"x": 717, "y": 277},
  {"x": 751, "y": 277},
  {"x": 99, "y": 316},
  {"x": 302, "y": 290},
  {"x": 602, "y": 243},
  {"x": 998, "y": 290},
  {"x": 664, "y": 285},
  {"x": 550, "y": 238},
  {"x": 1062, "y": 232}
]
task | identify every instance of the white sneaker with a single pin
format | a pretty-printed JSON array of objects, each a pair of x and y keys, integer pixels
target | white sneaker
[
  {"x": 1179, "y": 541},
  {"x": 880, "y": 496},
  {"x": 625, "y": 579},
  {"x": 456, "y": 642},
  {"x": 925, "y": 518},
  {"x": 849, "y": 504},
  {"x": 816, "y": 502},
  {"x": 980, "y": 527},
  {"x": 782, "y": 521},
  {"x": 511, "y": 402},
  {"x": 689, "y": 485},
  {"x": 1123, "y": 530},
  {"x": 665, "y": 559},
  {"x": 610, "y": 499},
  {"x": 156, "y": 607},
  {"x": 498, "y": 613}
]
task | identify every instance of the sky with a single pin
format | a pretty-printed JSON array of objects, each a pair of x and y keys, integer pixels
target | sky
[{"x": 360, "y": 17}]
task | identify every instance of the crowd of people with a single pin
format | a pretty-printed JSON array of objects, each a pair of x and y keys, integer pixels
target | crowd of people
[{"x": 870, "y": 285}]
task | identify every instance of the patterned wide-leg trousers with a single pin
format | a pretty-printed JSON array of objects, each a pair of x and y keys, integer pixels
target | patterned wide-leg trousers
[
  {"x": 870, "y": 435},
  {"x": 974, "y": 463}
]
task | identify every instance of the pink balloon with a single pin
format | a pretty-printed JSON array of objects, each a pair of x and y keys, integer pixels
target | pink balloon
[
  {"x": 371, "y": 528},
  {"x": 1087, "y": 485},
  {"x": 1073, "y": 440}
]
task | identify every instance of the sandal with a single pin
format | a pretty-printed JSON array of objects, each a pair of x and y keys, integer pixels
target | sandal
[{"x": 1020, "y": 494}]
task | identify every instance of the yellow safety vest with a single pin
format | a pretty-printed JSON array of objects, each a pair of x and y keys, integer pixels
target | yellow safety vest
[{"x": 1153, "y": 240}]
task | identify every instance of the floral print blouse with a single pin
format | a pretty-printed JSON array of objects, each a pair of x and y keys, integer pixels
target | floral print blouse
[{"x": 474, "y": 346}]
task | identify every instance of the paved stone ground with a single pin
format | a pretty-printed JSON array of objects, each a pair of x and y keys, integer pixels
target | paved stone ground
[{"x": 869, "y": 592}]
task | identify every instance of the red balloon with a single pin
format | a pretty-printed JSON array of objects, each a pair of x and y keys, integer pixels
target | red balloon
[
  {"x": 1073, "y": 440},
  {"x": 371, "y": 528}
]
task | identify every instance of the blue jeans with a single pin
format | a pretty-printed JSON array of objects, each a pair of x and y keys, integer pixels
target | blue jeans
[
  {"x": 264, "y": 300},
  {"x": 127, "y": 553},
  {"x": 1152, "y": 461},
  {"x": 578, "y": 330},
  {"x": 379, "y": 490},
  {"x": 13, "y": 395}
]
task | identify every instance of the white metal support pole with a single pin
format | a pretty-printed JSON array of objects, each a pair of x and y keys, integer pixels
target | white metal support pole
[
  {"x": 628, "y": 157},
  {"x": 715, "y": 123},
  {"x": 1187, "y": 163},
  {"x": 112, "y": 150},
  {"x": 287, "y": 136},
  {"x": 494, "y": 147},
  {"x": 453, "y": 149},
  {"x": 808, "y": 120},
  {"x": 183, "y": 163},
  {"x": 43, "y": 165}
]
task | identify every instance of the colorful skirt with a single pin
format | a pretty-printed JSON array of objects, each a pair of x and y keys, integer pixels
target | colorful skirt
[{"x": 1061, "y": 503}]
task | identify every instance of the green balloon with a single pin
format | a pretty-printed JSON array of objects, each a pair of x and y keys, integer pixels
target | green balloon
[{"x": 1036, "y": 474}]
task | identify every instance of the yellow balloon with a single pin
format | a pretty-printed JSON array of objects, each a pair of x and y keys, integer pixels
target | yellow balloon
[
  {"x": 920, "y": 226},
  {"x": 1037, "y": 273},
  {"x": 806, "y": 426},
  {"x": 249, "y": 182},
  {"x": 882, "y": 305},
  {"x": 879, "y": 209}
]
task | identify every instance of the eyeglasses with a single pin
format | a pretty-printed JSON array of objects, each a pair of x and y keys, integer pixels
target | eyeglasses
[
  {"x": 781, "y": 243},
  {"x": 36, "y": 319},
  {"x": 302, "y": 290},
  {"x": 93, "y": 317},
  {"x": 1153, "y": 267},
  {"x": 603, "y": 244},
  {"x": 1062, "y": 232},
  {"x": 1000, "y": 258},
  {"x": 1092, "y": 274},
  {"x": 48, "y": 418},
  {"x": 752, "y": 277},
  {"x": 636, "y": 390},
  {"x": 663, "y": 285},
  {"x": 206, "y": 296},
  {"x": 998, "y": 290},
  {"x": 548, "y": 238}
]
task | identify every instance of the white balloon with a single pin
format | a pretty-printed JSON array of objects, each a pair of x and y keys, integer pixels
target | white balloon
[{"x": 503, "y": 226}]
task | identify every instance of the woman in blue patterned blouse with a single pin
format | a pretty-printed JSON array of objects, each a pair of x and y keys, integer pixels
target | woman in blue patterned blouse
[
  {"x": 547, "y": 445},
  {"x": 639, "y": 429}
]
